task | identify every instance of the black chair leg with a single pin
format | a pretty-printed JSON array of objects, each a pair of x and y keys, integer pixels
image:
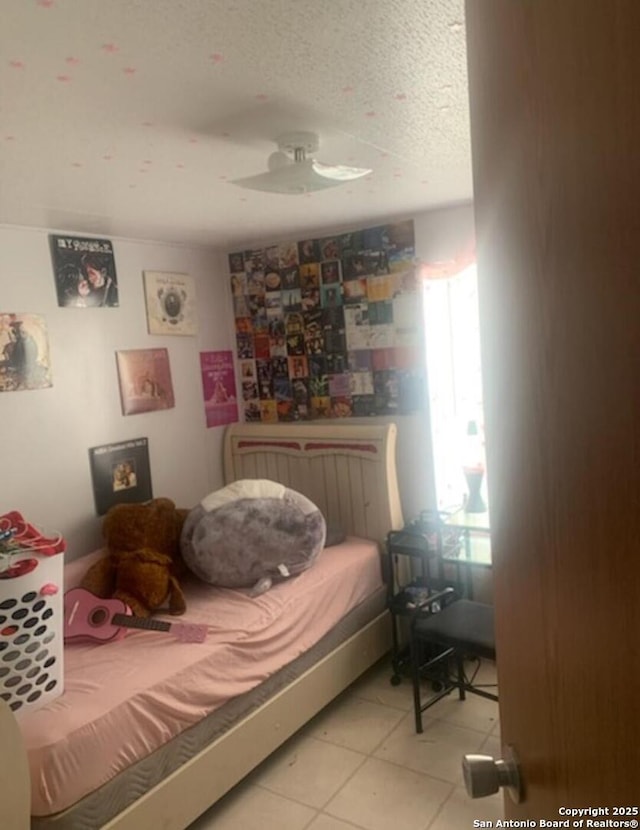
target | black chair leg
[
  {"x": 414, "y": 653},
  {"x": 460, "y": 672}
]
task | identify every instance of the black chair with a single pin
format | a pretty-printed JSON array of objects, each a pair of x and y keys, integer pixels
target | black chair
[{"x": 445, "y": 630}]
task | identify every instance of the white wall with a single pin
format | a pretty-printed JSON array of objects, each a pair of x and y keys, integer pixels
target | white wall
[{"x": 45, "y": 434}]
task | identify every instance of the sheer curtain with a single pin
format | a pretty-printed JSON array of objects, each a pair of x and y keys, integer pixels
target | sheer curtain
[{"x": 454, "y": 370}]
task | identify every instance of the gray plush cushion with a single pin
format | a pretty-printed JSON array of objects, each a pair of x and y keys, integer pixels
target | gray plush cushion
[
  {"x": 335, "y": 535},
  {"x": 236, "y": 541}
]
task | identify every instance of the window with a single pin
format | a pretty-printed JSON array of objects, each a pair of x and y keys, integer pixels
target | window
[{"x": 452, "y": 334}]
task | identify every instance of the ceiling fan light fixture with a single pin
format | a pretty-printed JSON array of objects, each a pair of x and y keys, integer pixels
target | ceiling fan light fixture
[
  {"x": 278, "y": 160},
  {"x": 339, "y": 172},
  {"x": 299, "y": 175}
]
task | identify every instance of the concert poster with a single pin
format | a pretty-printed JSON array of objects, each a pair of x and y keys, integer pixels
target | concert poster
[
  {"x": 84, "y": 271},
  {"x": 219, "y": 387}
]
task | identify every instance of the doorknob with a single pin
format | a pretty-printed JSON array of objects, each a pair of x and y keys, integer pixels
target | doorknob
[{"x": 484, "y": 776}]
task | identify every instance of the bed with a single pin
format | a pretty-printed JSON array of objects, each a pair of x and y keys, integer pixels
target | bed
[{"x": 349, "y": 473}]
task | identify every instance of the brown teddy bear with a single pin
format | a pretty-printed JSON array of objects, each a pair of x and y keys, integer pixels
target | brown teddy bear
[{"x": 143, "y": 561}]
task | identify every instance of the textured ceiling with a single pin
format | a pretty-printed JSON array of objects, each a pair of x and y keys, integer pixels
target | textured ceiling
[{"x": 130, "y": 117}]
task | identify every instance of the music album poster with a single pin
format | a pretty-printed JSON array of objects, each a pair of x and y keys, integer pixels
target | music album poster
[
  {"x": 24, "y": 352},
  {"x": 171, "y": 303},
  {"x": 120, "y": 474},
  {"x": 145, "y": 380},
  {"x": 84, "y": 270},
  {"x": 219, "y": 387},
  {"x": 319, "y": 316}
]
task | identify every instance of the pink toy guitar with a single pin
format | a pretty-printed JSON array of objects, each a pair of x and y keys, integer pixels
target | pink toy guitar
[{"x": 88, "y": 617}]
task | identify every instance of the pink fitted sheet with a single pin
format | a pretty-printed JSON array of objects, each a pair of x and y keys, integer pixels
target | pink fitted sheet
[{"x": 123, "y": 700}]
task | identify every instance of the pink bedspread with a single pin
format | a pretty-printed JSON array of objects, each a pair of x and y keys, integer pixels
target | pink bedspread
[{"x": 122, "y": 700}]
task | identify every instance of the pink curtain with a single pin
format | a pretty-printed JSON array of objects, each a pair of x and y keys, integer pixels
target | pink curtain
[{"x": 447, "y": 268}]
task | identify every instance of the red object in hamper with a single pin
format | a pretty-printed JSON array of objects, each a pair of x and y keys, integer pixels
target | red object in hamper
[{"x": 31, "y": 621}]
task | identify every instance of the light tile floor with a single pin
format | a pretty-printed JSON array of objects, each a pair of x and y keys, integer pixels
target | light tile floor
[{"x": 359, "y": 765}]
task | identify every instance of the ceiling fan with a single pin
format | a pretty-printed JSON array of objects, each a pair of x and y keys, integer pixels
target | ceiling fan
[{"x": 292, "y": 172}]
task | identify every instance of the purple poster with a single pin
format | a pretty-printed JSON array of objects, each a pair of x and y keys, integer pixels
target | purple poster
[{"x": 219, "y": 388}]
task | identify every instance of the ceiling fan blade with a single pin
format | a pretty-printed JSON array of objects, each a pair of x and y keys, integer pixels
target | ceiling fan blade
[{"x": 301, "y": 177}]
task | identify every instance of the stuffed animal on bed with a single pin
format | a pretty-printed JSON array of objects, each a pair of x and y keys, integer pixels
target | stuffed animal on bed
[
  {"x": 143, "y": 562},
  {"x": 252, "y": 533}
]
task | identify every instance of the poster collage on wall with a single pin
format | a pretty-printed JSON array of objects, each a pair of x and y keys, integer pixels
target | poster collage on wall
[{"x": 331, "y": 327}]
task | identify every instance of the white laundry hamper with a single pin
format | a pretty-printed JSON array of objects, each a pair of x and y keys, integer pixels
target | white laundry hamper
[{"x": 31, "y": 614}]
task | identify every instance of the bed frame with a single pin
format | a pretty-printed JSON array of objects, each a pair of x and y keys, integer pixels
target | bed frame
[{"x": 349, "y": 472}]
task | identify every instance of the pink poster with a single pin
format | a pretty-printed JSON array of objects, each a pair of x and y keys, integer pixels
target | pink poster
[{"x": 219, "y": 388}]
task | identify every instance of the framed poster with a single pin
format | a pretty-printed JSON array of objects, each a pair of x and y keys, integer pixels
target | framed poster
[
  {"x": 120, "y": 473},
  {"x": 145, "y": 380},
  {"x": 170, "y": 300},
  {"x": 84, "y": 270},
  {"x": 24, "y": 352}
]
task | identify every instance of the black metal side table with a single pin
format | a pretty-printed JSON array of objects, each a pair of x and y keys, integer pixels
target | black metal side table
[{"x": 415, "y": 571}]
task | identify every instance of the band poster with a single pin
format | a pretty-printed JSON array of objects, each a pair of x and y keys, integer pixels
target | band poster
[
  {"x": 144, "y": 376},
  {"x": 331, "y": 327},
  {"x": 171, "y": 303},
  {"x": 120, "y": 473},
  {"x": 84, "y": 270},
  {"x": 24, "y": 352}
]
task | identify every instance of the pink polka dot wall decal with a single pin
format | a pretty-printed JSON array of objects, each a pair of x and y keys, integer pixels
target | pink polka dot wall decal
[
  {"x": 347, "y": 89},
  {"x": 370, "y": 114},
  {"x": 64, "y": 79},
  {"x": 110, "y": 48},
  {"x": 261, "y": 97},
  {"x": 107, "y": 157},
  {"x": 71, "y": 61},
  {"x": 129, "y": 70},
  {"x": 216, "y": 57},
  {"x": 45, "y": 4},
  {"x": 17, "y": 64},
  {"x": 193, "y": 140},
  {"x": 400, "y": 96},
  {"x": 180, "y": 166}
]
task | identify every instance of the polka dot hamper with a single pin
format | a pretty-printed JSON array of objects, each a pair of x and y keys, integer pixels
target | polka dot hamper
[{"x": 31, "y": 614}]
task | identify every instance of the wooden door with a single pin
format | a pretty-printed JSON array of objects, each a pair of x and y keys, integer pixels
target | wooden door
[{"x": 555, "y": 125}]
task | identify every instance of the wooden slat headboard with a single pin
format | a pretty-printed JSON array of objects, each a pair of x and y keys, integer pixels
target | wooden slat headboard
[{"x": 349, "y": 472}]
